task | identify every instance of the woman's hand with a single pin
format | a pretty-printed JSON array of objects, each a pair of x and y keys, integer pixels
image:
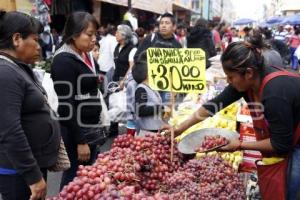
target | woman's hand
[
  {"x": 122, "y": 84},
  {"x": 233, "y": 145},
  {"x": 166, "y": 112},
  {"x": 38, "y": 190},
  {"x": 84, "y": 152},
  {"x": 167, "y": 128}
]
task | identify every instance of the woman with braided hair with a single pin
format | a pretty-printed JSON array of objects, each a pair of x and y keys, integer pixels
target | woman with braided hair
[{"x": 273, "y": 98}]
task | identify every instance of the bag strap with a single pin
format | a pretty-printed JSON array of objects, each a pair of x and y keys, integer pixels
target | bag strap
[
  {"x": 21, "y": 72},
  {"x": 272, "y": 75}
]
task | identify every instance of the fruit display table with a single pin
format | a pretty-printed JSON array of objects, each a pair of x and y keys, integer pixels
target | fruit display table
[{"x": 140, "y": 168}]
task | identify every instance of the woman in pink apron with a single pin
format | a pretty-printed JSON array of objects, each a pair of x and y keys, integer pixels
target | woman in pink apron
[{"x": 273, "y": 96}]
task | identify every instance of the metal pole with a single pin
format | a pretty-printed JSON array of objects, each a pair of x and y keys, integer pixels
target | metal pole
[
  {"x": 209, "y": 9},
  {"x": 129, "y": 4}
]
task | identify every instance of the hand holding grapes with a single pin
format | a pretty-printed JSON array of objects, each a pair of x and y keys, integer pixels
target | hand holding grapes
[
  {"x": 166, "y": 130},
  {"x": 233, "y": 145}
]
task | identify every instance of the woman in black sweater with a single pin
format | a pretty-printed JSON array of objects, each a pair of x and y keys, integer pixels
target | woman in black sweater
[
  {"x": 29, "y": 138},
  {"x": 76, "y": 84},
  {"x": 273, "y": 98}
]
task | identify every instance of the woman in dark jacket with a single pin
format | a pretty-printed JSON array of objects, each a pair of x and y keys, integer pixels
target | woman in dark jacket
[
  {"x": 201, "y": 37},
  {"x": 29, "y": 138},
  {"x": 76, "y": 84}
]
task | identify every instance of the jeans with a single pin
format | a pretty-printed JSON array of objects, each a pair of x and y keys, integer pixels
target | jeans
[
  {"x": 14, "y": 187},
  {"x": 294, "y": 59},
  {"x": 294, "y": 176},
  {"x": 71, "y": 148}
]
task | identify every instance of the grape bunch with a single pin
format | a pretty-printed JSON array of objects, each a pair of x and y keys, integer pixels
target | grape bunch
[
  {"x": 152, "y": 152},
  {"x": 133, "y": 167},
  {"x": 216, "y": 178},
  {"x": 141, "y": 169},
  {"x": 210, "y": 142}
]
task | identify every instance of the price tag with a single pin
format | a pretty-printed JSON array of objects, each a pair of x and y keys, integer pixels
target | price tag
[{"x": 186, "y": 68}]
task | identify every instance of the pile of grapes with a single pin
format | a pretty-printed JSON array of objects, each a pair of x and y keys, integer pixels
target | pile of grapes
[
  {"x": 210, "y": 142},
  {"x": 141, "y": 169}
]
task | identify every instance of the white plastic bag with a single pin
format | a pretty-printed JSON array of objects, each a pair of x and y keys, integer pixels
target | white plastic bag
[
  {"x": 49, "y": 87},
  {"x": 104, "y": 117},
  {"x": 117, "y": 106},
  {"x": 297, "y": 53}
]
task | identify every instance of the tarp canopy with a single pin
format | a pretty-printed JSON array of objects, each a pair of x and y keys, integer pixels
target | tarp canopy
[
  {"x": 243, "y": 21},
  {"x": 274, "y": 20},
  {"x": 292, "y": 20},
  {"x": 264, "y": 24}
]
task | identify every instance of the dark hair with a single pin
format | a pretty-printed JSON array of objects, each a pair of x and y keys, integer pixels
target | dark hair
[
  {"x": 76, "y": 23},
  {"x": 297, "y": 31},
  {"x": 97, "y": 43},
  {"x": 257, "y": 41},
  {"x": 168, "y": 15},
  {"x": 247, "y": 29},
  {"x": 201, "y": 22},
  {"x": 111, "y": 29},
  {"x": 16, "y": 22},
  {"x": 211, "y": 24},
  {"x": 267, "y": 33},
  {"x": 140, "y": 68},
  {"x": 140, "y": 32},
  {"x": 182, "y": 25},
  {"x": 239, "y": 56}
]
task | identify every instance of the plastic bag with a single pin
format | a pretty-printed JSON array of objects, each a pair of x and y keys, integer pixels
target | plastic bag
[
  {"x": 297, "y": 53},
  {"x": 49, "y": 87},
  {"x": 104, "y": 117},
  {"x": 117, "y": 106}
]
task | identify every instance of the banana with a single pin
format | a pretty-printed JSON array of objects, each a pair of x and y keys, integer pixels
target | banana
[{"x": 271, "y": 161}]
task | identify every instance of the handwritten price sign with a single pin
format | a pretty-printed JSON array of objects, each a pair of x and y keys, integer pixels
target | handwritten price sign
[{"x": 181, "y": 69}]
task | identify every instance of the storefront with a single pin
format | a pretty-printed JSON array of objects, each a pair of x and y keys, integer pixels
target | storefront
[
  {"x": 146, "y": 11},
  {"x": 182, "y": 9},
  {"x": 17, "y": 5}
]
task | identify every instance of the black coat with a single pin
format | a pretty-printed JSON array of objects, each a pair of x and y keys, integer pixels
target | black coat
[
  {"x": 156, "y": 40},
  {"x": 67, "y": 67},
  {"x": 29, "y": 138},
  {"x": 200, "y": 37}
]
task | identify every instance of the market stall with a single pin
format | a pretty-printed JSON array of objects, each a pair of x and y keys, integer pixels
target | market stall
[
  {"x": 149, "y": 168},
  {"x": 141, "y": 168}
]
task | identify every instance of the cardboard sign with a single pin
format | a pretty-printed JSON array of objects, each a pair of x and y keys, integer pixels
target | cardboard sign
[{"x": 182, "y": 69}]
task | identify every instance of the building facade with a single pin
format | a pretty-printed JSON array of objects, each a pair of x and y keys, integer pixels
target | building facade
[{"x": 214, "y": 10}]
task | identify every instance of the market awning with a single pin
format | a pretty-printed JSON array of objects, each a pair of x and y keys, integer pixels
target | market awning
[
  {"x": 292, "y": 20},
  {"x": 274, "y": 20},
  {"x": 156, "y": 6},
  {"x": 182, "y": 5}
]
